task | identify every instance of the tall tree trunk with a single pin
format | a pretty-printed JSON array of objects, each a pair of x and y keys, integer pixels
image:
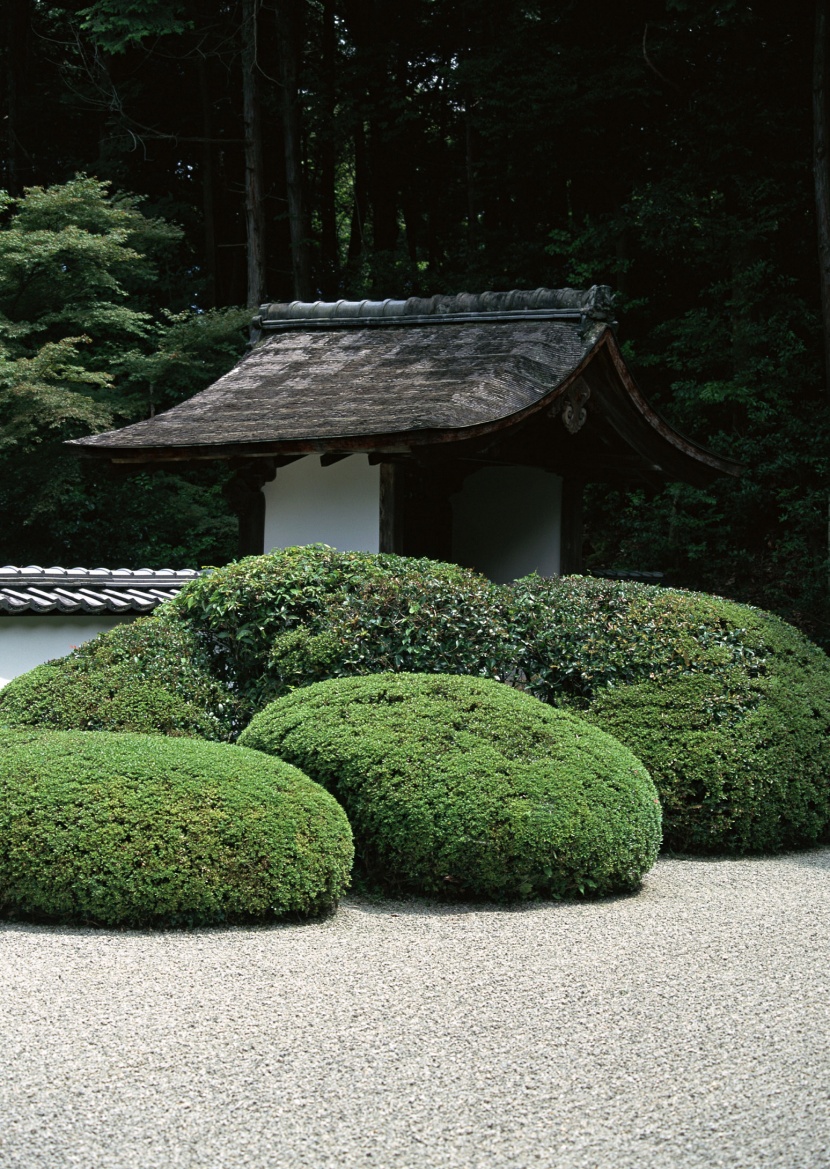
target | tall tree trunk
[
  {"x": 821, "y": 176},
  {"x": 473, "y": 175},
  {"x": 371, "y": 25},
  {"x": 328, "y": 159},
  {"x": 208, "y": 183},
  {"x": 821, "y": 170},
  {"x": 360, "y": 197},
  {"x": 17, "y": 40},
  {"x": 383, "y": 167},
  {"x": 254, "y": 184},
  {"x": 384, "y": 146},
  {"x": 108, "y": 69},
  {"x": 288, "y": 14}
]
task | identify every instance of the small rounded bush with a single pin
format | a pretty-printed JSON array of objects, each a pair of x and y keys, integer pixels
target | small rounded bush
[
  {"x": 142, "y": 830},
  {"x": 146, "y": 676},
  {"x": 464, "y": 786}
]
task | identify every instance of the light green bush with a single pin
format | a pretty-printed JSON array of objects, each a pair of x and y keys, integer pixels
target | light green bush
[
  {"x": 739, "y": 769},
  {"x": 463, "y": 786},
  {"x": 149, "y": 675},
  {"x": 143, "y": 830},
  {"x": 727, "y": 705},
  {"x": 575, "y": 636},
  {"x": 754, "y": 691}
]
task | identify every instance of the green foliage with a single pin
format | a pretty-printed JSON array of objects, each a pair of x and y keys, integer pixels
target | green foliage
[
  {"x": 299, "y": 615},
  {"x": 575, "y": 636},
  {"x": 463, "y": 786},
  {"x": 47, "y": 395},
  {"x": 728, "y": 706},
  {"x": 452, "y": 146},
  {"x": 139, "y": 830},
  {"x": 148, "y": 675},
  {"x": 56, "y": 695},
  {"x": 154, "y": 519},
  {"x": 84, "y": 346},
  {"x": 78, "y": 260},
  {"x": 719, "y": 314},
  {"x": 741, "y": 765},
  {"x": 190, "y": 350},
  {"x": 115, "y": 25},
  {"x": 64, "y": 253}
]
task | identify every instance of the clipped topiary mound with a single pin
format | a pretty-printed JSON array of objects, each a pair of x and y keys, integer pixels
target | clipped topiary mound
[
  {"x": 142, "y": 830},
  {"x": 728, "y": 706},
  {"x": 462, "y": 785},
  {"x": 147, "y": 676},
  {"x": 738, "y": 770},
  {"x": 268, "y": 624}
]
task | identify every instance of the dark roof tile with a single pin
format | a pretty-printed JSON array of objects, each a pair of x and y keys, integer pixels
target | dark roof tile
[{"x": 83, "y": 590}]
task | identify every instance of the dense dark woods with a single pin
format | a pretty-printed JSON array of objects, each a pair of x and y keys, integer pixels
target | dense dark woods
[{"x": 675, "y": 149}]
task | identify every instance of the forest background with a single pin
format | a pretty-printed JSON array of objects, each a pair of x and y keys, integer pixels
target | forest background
[{"x": 169, "y": 162}]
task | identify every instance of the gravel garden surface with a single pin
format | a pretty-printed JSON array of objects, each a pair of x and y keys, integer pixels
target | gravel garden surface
[{"x": 686, "y": 1025}]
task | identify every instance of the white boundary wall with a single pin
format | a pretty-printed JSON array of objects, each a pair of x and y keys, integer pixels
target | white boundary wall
[
  {"x": 337, "y": 505},
  {"x": 507, "y": 522},
  {"x": 27, "y": 641}
]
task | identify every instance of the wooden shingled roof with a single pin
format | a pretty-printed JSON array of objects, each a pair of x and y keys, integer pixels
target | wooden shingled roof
[
  {"x": 363, "y": 368},
  {"x": 404, "y": 375}
]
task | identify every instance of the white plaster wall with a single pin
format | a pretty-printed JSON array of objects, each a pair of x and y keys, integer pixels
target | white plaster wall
[
  {"x": 507, "y": 522},
  {"x": 337, "y": 505},
  {"x": 27, "y": 641}
]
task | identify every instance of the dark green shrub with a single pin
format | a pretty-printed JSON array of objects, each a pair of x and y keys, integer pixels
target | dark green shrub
[
  {"x": 728, "y": 706},
  {"x": 575, "y": 636},
  {"x": 462, "y": 785},
  {"x": 150, "y": 675},
  {"x": 138, "y": 830},
  {"x": 300, "y": 615}
]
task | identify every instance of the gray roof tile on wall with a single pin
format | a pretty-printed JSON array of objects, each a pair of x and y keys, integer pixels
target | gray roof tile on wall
[{"x": 61, "y": 591}]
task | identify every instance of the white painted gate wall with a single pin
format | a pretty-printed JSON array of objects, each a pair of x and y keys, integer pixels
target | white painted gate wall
[
  {"x": 336, "y": 505},
  {"x": 507, "y": 522},
  {"x": 27, "y": 641}
]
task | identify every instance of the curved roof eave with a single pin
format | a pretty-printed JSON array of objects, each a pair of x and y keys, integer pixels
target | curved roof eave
[
  {"x": 630, "y": 415},
  {"x": 658, "y": 428}
]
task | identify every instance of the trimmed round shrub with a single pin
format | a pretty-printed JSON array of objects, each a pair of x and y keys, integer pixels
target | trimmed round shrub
[
  {"x": 727, "y": 705},
  {"x": 738, "y": 770},
  {"x": 142, "y": 830},
  {"x": 299, "y": 615},
  {"x": 149, "y": 676},
  {"x": 464, "y": 786}
]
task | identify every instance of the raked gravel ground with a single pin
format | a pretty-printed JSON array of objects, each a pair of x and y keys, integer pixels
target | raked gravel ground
[{"x": 686, "y": 1026}]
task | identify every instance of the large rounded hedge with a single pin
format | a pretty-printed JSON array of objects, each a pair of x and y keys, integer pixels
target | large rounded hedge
[
  {"x": 241, "y": 635},
  {"x": 268, "y": 624},
  {"x": 148, "y": 676},
  {"x": 245, "y": 633},
  {"x": 575, "y": 636},
  {"x": 462, "y": 785},
  {"x": 740, "y": 769},
  {"x": 727, "y": 705},
  {"x": 141, "y": 830}
]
